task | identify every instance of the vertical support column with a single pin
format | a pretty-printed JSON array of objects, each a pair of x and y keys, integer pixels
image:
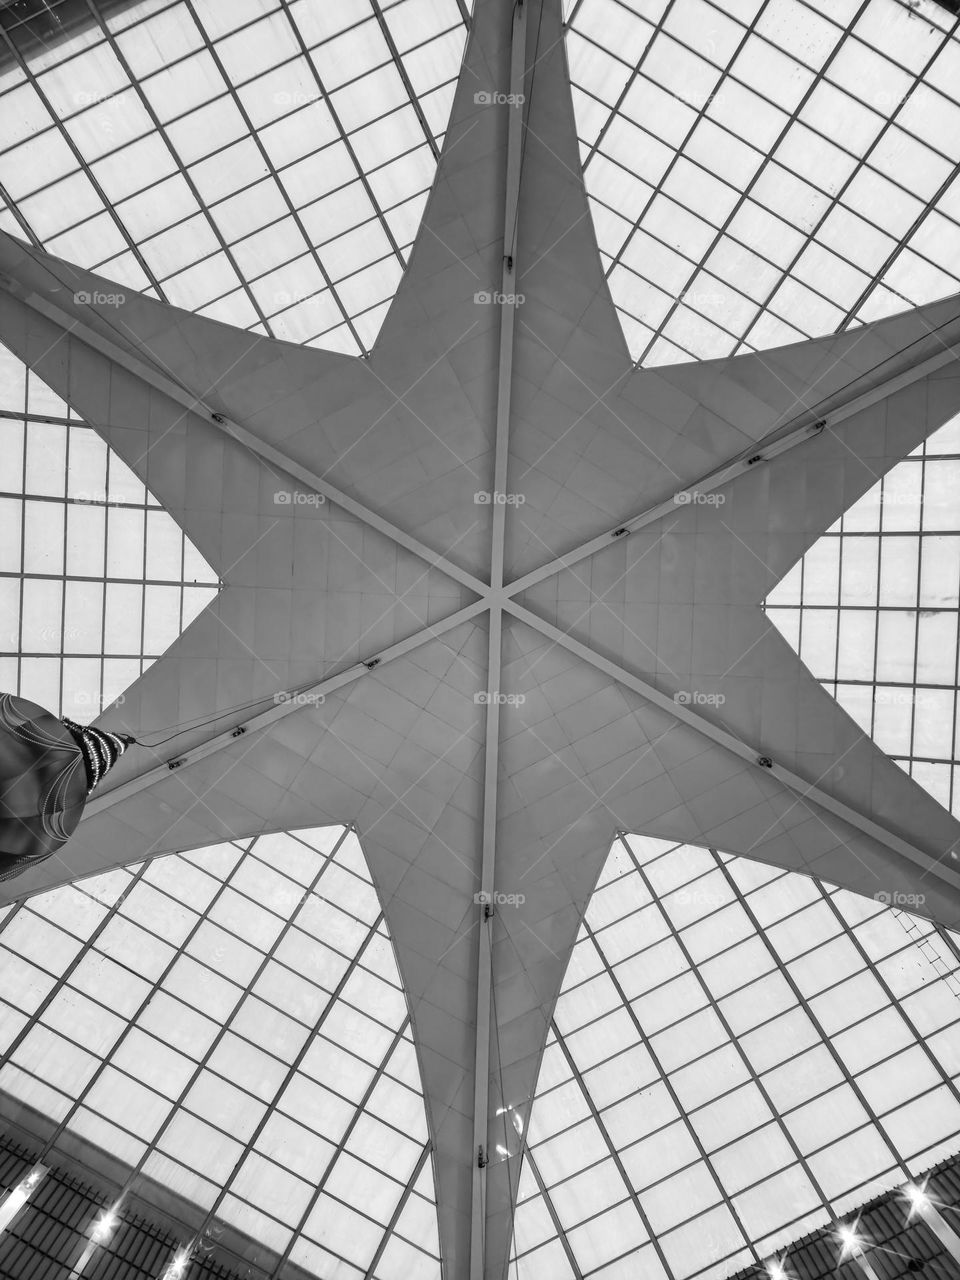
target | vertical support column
[
  {"x": 485, "y": 904},
  {"x": 481, "y": 1075}
]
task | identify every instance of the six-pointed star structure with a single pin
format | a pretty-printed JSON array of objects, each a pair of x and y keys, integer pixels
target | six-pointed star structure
[{"x": 527, "y": 612}]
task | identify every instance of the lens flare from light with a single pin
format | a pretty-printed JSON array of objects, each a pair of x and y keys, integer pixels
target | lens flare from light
[
  {"x": 851, "y": 1242},
  {"x": 917, "y": 1198}
]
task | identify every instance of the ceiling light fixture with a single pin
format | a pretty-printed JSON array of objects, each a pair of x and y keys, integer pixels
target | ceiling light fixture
[{"x": 852, "y": 1243}]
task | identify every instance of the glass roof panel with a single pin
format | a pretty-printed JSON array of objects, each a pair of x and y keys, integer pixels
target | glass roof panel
[
  {"x": 288, "y": 1117},
  {"x": 186, "y": 150},
  {"x": 873, "y": 606},
  {"x": 779, "y": 132},
  {"x": 783, "y": 1092},
  {"x": 96, "y": 579}
]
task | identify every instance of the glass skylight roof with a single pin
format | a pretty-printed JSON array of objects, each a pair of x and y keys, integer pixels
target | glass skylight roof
[
  {"x": 230, "y": 1023},
  {"x": 96, "y": 579},
  {"x": 872, "y": 609},
  {"x": 738, "y": 1055},
  {"x": 763, "y": 172},
  {"x": 264, "y": 163}
]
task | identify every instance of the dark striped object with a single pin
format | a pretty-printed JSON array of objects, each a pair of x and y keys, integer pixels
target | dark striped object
[{"x": 100, "y": 749}]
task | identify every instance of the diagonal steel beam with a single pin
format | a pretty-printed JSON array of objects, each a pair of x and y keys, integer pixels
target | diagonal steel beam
[
  {"x": 722, "y": 737},
  {"x": 293, "y": 701},
  {"x": 811, "y": 424},
  {"x": 144, "y": 368}
]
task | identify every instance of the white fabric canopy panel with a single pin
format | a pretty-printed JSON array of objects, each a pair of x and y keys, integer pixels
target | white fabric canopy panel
[
  {"x": 739, "y": 1055},
  {"x": 230, "y": 1023},
  {"x": 761, "y": 171},
  {"x": 96, "y": 579},
  {"x": 872, "y": 609},
  {"x": 264, "y": 163}
]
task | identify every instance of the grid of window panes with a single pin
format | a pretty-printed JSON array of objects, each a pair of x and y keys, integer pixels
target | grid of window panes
[
  {"x": 265, "y": 162},
  {"x": 231, "y": 1024},
  {"x": 96, "y": 579},
  {"x": 872, "y": 609},
  {"x": 761, "y": 171},
  {"x": 739, "y": 1055}
]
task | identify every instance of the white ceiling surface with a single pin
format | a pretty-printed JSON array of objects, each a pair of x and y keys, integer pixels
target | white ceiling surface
[
  {"x": 230, "y": 1024},
  {"x": 400, "y": 751},
  {"x": 760, "y": 172},
  {"x": 264, "y": 163},
  {"x": 739, "y": 1056}
]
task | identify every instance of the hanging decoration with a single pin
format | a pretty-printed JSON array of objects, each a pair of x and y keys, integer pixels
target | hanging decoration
[{"x": 48, "y": 768}]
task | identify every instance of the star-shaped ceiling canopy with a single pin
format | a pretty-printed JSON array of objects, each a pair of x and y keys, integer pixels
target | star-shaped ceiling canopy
[{"x": 493, "y": 593}]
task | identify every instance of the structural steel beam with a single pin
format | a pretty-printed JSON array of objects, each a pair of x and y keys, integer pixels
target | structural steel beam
[
  {"x": 508, "y": 311},
  {"x": 143, "y": 368},
  {"x": 294, "y": 701},
  {"x": 803, "y": 789},
  {"x": 765, "y": 450}
]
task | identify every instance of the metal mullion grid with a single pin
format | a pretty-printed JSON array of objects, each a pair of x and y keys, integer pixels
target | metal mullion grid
[
  {"x": 825, "y": 1040},
  {"x": 397, "y": 62},
  {"x": 23, "y": 525},
  {"x": 881, "y": 273},
  {"x": 32, "y": 1018},
  {"x": 108, "y": 466},
  {"x": 401, "y": 1205},
  {"x": 847, "y": 33},
  {"x": 254, "y": 278},
  {"x": 254, "y": 137},
  {"x": 955, "y": 744},
  {"x": 143, "y": 592},
  {"x": 147, "y": 106},
  {"x": 360, "y": 1109},
  {"x": 292, "y": 1070},
  {"x": 725, "y": 129},
  {"x": 700, "y": 114},
  {"x": 779, "y": 965},
  {"x": 559, "y": 1230},
  {"x": 611, "y": 1146},
  {"x": 731, "y": 1037},
  {"x": 131, "y": 1023},
  {"x": 465, "y": 14},
  {"x": 727, "y": 1093},
  {"x": 174, "y": 62},
  {"x": 836, "y": 200},
  {"x": 658, "y": 29},
  {"x": 916, "y": 632},
  {"x": 82, "y": 165},
  {"x": 882, "y": 982},
  {"x": 839, "y": 609},
  {"x": 65, "y": 974},
  {"x": 175, "y": 1105},
  {"x": 46, "y": 418},
  {"x": 334, "y": 116},
  {"x": 668, "y": 1084},
  {"x": 698, "y": 266},
  {"x": 949, "y": 977},
  {"x": 765, "y": 162},
  {"x": 63, "y": 575},
  {"x": 785, "y": 273}
]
